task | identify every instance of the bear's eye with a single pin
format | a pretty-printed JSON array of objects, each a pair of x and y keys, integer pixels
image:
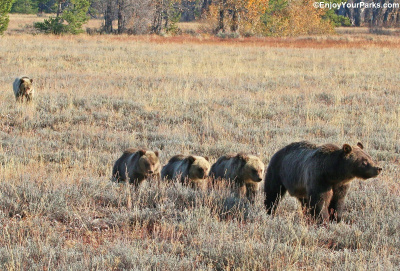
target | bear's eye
[{"x": 365, "y": 163}]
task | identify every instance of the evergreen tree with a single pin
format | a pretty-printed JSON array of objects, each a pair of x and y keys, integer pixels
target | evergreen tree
[
  {"x": 25, "y": 6},
  {"x": 5, "y": 7},
  {"x": 69, "y": 20},
  {"x": 76, "y": 15},
  {"x": 334, "y": 18}
]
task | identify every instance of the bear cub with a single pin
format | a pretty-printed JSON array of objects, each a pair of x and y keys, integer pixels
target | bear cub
[
  {"x": 136, "y": 166},
  {"x": 23, "y": 87},
  {"x": 191, "y": 169},
  {"x": 245, "y": 171}
]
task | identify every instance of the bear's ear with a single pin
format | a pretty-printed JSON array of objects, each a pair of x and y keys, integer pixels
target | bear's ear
[
  {"x": 360, "y": 145},
  {"x": 191, "y": 159},
  {"x": 156, "y": 153},
  {"x": 347, "y": 148},
  {"x": 206, "y": 157},
  {"x": 141, "y": 152},
  {"x": 31, "y": 80},
  {"x": 21, "y": 80}
]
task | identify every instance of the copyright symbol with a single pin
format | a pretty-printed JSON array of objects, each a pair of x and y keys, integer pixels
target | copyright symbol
[{"x": 316, "y": 4}]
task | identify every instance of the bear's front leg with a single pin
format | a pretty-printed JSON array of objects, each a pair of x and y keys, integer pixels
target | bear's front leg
[
  {"x": 157, "y": 176},
  {"x": 319, "y": 199},
  {"x": 29, "y": 97},
  {"x": 337, "y": 203},
  {"x": 242, "y": 191},
  {"x": 304, "y": 204},
  {"x": 136, "y": 179},
  {"x": 251, "y": 191},
  {"x": 19, "y": 98}
]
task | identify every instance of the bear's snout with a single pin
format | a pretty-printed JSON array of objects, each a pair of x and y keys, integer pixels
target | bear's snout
[
  {"x": 151, "y": 172},
  {"x": 202, "y": 173},
  {"x": 377, "y": 171},
  {"x": 369, "y": 172}
]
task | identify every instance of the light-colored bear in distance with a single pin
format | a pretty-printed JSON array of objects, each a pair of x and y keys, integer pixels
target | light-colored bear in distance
[{"x": 23, "y": 87}]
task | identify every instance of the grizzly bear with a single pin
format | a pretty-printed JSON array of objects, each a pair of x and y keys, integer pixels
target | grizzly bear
[
  {"x": 318, "y": 176},
  {"x": 23, "y": 88},
  {"x": 191, "y": 169},
  {"x": 245, "y": 171},
  {"x": 136, "y": 166}
]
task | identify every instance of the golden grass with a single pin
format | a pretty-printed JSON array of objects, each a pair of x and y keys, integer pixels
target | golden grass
[
  {"x": 97, "y": 95},
  {"x": 18, "y": 21}
]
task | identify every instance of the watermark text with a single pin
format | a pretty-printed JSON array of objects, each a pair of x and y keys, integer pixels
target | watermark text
[{"x": 331, "y": 5}]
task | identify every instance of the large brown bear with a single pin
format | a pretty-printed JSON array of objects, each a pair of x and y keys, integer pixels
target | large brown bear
[
  {"x": 245, "y": 171},
  {"x": 319, "y": 176},
  {"x": 136, "y": 166},
  {"x": 23, "y": 87},
  {"x": 191, "y": 169}
]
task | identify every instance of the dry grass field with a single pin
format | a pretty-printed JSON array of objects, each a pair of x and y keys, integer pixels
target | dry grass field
[{"x": 97, "y": 95}]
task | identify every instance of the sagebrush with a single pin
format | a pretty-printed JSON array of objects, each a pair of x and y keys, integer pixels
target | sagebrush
[{"x": 97, "y": 96}]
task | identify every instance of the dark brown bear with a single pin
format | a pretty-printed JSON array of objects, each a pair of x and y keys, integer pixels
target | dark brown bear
[
  {"x": 319, "y": 176},
  {"x": 245, "y": 171},
  {"x": 136, "y": 166}
]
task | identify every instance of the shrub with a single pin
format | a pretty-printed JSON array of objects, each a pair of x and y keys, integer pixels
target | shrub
[
  {"x": 5, "y": 6},
  {"x": 52, "y": 26},
  {"x": 70, "y": 21}
]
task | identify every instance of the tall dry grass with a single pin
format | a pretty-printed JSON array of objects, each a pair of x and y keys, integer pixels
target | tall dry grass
[{"x": 98, "y": 95}]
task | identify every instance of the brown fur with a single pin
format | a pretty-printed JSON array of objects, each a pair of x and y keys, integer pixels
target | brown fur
[
  {"x": 136, "y": 166},
  {"x": 245, "y": 171},
  {"x": 23, "y": 87},
  {"x": 192, "y": 169},
  {"x": 319, "y": 176}
]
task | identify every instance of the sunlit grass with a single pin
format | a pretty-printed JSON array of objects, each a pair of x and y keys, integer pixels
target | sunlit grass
[{"x": 97, "y": 95}]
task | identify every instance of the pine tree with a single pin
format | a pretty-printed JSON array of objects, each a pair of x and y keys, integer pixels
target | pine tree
[
  {"x": 69, "y": 20},
  {"x": 25, "y": 6},
  {"x": 5, "y": 7},
  {"x": 76, "y": 15}
]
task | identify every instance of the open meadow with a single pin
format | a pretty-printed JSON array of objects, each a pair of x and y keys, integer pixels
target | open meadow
[{"x": 98, "y": 95}]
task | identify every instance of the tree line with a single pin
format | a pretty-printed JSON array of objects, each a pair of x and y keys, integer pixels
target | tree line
[{"x": 222, "y": 17}]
